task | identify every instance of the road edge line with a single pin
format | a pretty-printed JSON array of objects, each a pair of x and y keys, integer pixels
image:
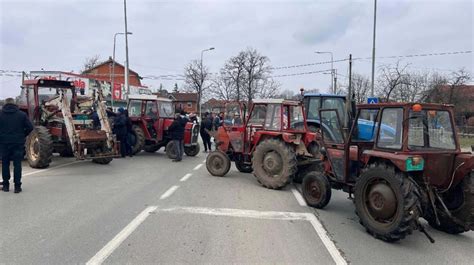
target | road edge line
[
  {"x": 51, "y": 168},
  {"x": 298, "y": 197}
]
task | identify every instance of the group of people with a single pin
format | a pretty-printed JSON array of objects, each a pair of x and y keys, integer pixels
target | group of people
[
  {"x": 210, "y": 122},
  {"x": 123, "y": 130}
]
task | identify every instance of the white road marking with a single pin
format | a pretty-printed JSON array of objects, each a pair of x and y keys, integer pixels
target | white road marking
[
  {"x": 186, "y": 177},
  {"x": 169, "y": 192},
  {"x": 113, "y": 244},
  {"x": 328, "y": 243},
  {"x": 204, "y": 161},
  {"x": 197, "y": 167},
  {"x": 298, "y": 197},
  {"x": 51, "y": 168},
  {"x": 318, "y": 227}
]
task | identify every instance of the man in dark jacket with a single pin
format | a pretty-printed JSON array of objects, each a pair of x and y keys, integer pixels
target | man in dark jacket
[
  {"x": 120, "y": 130},
  {"x": 14, "y": 127},
  {"x": 176, "y": 131},
  {"x": 206, "y": 126}
]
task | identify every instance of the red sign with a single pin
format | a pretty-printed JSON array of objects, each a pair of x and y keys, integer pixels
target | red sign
[{"x": 117, "y": 91}]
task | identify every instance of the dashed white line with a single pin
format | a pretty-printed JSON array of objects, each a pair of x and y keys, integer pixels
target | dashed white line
[
  {"x": 298, "y": 197},
  {"x": 169, "y": 192},
  {"x": 186, "y": 177},
  {"x": 197, "y": 167},
  {"x": 204, "y": 161},
  {"x": 105, "y": 252}
]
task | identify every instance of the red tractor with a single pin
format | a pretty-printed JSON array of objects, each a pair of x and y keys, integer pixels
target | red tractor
[
  {"x": 151, "y": 116},
  {"x": 273, "y": 142},
  {"x": 64, "y": 124},
  {"x": 401, "y": 161}
]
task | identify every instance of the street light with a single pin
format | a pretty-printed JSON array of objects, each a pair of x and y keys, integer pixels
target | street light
[
  {"x": 332, "y": 69},
  {"x": 112, "y": 74},
  {"x": 127, "y": 84},
  {"x": 202, "y": 79}
]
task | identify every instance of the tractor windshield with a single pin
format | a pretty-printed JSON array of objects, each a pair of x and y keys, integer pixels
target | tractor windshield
[
  {"x": 296, "y": 118},
  {"x": 166, "y": 109},
  {"x": 47, "y": 93},
  {"x": 134, "y": 108},
  {"x": 430, "y": 129},
  {"x": 232, "y": 114}
]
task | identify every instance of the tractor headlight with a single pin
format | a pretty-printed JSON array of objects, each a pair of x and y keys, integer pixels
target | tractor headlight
[{"x": 415, "y": 163}]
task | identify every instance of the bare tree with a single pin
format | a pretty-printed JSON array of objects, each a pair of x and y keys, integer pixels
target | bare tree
[
  {"x": 360, "y": 87},
  {"x": 223, "y": 87},
  {"x": 91, "y": 62},
  {"x": 457, "y": 79},
  {"x": 233, "y": 71},
  {"x": 390, "y": 78},
  {"x": 257, "y": 69},
  {"x": 195, "y": 75},
  {"x": 267, "y": 88}
]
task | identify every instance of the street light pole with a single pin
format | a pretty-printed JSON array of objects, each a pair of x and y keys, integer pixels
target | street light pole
[
  {"x": 112, "y": 73},
  {"x": 373, "y": 51},
  {"x": 202, "y": 79},
  {"x": 333, "y": 87},
  {"x": 127, "y": 85}
]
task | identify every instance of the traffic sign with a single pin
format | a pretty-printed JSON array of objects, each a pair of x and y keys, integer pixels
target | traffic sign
[{"x": 372, "y": 100}]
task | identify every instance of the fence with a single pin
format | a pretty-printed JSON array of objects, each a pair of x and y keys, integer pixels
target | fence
[{"x": 466, "y": 131}]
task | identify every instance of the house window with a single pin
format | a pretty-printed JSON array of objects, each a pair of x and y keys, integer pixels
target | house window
[{"x": 190, "y": 104}]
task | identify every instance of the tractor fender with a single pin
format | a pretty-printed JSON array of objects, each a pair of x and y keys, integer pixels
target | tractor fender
[
  {"x": 398, "y": 160},
  {"x": 294, "y": 138}
]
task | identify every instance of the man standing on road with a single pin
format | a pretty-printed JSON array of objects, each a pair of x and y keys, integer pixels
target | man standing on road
[
  {"x": 206, "y": 126},
  {"x": 176, "y": 131},
  {"x": 14, "y": 127},
  {"x": 120, "y": 130}
]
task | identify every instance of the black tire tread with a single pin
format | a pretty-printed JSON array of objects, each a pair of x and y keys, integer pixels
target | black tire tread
[
  {"x": 46, "y": 147},
  {"x": 140, "y": 139}
]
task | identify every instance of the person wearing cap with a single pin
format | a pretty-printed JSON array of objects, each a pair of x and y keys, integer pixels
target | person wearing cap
[
  {"x": 120, "y": 130},
  {"x": 14, "y": 127}
]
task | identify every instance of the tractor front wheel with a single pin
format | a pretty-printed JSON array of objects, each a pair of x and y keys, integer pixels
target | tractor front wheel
[
  {"x": 192, "y": 150},
  {"x": 217, "y": 163},
  {"x": 274, "y": 163},
  {"x": 387, "y": 202},
  {"x": 316, "y": 190},
  {"x": 171, "y": 150},
  {"x": 139, "y": 139},
  {"x": 39, "y": 148},
  {"x": 460, "y": 202}
]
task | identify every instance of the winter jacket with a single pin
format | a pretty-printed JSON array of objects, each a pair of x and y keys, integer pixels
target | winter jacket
[
  {"x": 176, "y": 129},
  {"x": 14, "y": 125},
  {"x": 120, "y": 125},
  {"x": 206, "y": 125}
]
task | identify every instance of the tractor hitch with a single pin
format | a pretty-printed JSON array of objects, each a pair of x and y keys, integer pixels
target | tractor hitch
[{"x": 423, "y": 230}]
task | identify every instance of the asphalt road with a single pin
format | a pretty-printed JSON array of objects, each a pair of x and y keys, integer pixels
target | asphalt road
[{"x": 148, "y": 210}]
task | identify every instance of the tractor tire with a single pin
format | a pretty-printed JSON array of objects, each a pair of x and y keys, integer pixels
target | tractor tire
[
  {"x": 316, "y": 189},
  {"x": 66, "y": 152},
  {"x": 192, "y": 150},
  {"x": 387, "y": 202},
  {"x": 217, "y": 163},
  {"x": 39, "y": 148},
  {"x": 463, "y": 210},
  {"x": 274, "y": 163},
  {"x": 139, "y": 139},
  {"x": 171, "y": 150},
  {"x": 242, "y": 167},
  {"x": 151, "y": 148}
]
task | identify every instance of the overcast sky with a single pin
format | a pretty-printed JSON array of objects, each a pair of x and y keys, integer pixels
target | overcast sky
[{"x": 59, "y": 35}]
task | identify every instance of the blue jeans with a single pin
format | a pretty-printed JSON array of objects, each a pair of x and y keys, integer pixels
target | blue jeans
[
  {"x": 179, "y": 145},
  {"x": 12, "y": 152}
]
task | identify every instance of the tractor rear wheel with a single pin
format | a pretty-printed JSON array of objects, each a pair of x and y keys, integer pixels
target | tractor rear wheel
[
  {"x": 171, "y": 150},
  {"x": 192, "y": 150},
  {"x": 102, "y": 161},
  {"x": 242, "y": 167},
  {"x": 274, "y": 163},
  {"x": 316, "y": 189},
  {"x": 139, "y": 139},
  {"x": 39, "y": 147},
  {"x": 460, "y": 202},
  {"x": 217, "y": 163},
  {"x": 151, "y": 148},
  {"x": 387, "y": 202},
  {"x": 303, "y": 170}
]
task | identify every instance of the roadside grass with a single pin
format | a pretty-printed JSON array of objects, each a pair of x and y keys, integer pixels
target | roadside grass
[{"x": 466, "y": 142}]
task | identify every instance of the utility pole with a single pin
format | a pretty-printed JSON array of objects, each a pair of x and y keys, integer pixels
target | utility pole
[
  {"x": 127, "y": 85},
  {"x": 333, "y": 87},
  {"x": 112, "y": 73},
  {"x": 373, "y": 51},
  {"x": 349, "y": 96},
  {"x": 202, "y": 79}
]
